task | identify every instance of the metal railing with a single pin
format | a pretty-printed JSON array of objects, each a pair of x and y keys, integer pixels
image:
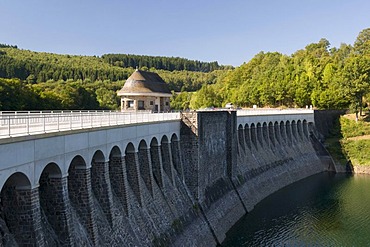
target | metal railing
[
  {"x": 22, "y": 123},
  {"x": 273, "y": 111},
  {"x": 28, "y": 123}
]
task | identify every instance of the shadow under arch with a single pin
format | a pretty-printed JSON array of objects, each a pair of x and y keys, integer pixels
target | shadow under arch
[
  {"x": 156, "y": 158},
  {"x": 241, "y": 137},
  {"x": 166, "y": 157},
  {"x": 305, "y": 128},
  {"x": 282, "y": 132},
  {"x": 132, "y": 171},
  {"x": 145, "y": 165},
  {"x": 55, "y": 203},
  {"x": 271, "y": 134},
  {"x": 288, "y": 131},
  {"x": 299, "y": 130},
  {"x": 176, "y": 155},
  {"x": 100, "y": 185},
  {"x": 20, "y": 209},
  {"x": 116, "y": 175},
  {"x": 259, "y": 134},
  {"x": 80, "y": 194},
  {"x": 254, "y": 135},
  {"x": 265, "y": 133},
  {"x": 294, "y": 130}
]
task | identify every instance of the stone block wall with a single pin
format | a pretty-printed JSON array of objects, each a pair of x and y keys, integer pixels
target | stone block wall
[{"x": 184, "y": 192}]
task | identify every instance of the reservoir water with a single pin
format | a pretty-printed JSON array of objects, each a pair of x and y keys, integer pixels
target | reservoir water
[{"x": 322, "y": 210}]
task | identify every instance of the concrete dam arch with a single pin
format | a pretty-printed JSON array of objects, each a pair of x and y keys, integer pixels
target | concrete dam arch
[{"x": 179, "y": 182}]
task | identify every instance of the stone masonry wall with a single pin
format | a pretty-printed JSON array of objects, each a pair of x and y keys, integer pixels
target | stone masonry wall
[{"x": 185, "y": 192}]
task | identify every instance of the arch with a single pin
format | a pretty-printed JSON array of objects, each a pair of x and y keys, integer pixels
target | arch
[
  {"x": 130, "y": 148},
  {"x": 164, "y": 139},
  {"x": 145, "y": 165},
  {"x": 132, "y": 170},
  {"x": 115, "y": 152},
  {"x": 247, "y": 136},
  {"x": 18, "y": 180},
  {"x": 154, "y": 142},
  {"x": 142, "y": 145},
  {"x": 271, "y": 134},
  {"x": 174, "y": 137},
  {"x": 253, "y": 131},
  {"x": 166, "y": 157},
  {"x": 98, "y": 157},
  {"x": 52, "y": 169}
]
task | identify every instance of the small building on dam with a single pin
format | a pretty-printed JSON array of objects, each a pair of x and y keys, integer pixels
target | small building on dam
[{"x": 177, "y": 182}]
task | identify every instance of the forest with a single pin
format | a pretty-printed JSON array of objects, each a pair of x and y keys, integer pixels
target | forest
[
  {"x": 324, "y": 77},
  {"x": 319, "y": 75},
  {"x": 46, "y": 81}
]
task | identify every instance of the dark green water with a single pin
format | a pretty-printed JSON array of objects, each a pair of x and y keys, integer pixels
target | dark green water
[{"x": 322, "y": 210}]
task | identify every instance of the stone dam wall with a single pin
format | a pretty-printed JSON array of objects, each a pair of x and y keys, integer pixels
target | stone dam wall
[{"x": 185, "y": 191}]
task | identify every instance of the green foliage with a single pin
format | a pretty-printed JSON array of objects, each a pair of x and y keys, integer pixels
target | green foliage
[
  {"x": 349, "y": 141},
  {"x": 14, "y": 94},
  {"x": 160, "y": 63},
  {"x": 16, "y": 63},
  {"x": 8, "y": 46},
  {"x": 180, "y": 101},
  {"x": 325, "y": 78},
  {"x": 351, "y": 128},
  {"x": 357, "y": 151},
  {"x": 85, "y": 82}
]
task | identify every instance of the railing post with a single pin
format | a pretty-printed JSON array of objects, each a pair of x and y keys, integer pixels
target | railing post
[
  {"x": 28, "y": 124},
  {"x": 58, "y": 122},
  {"x": 82, "y": 121},
  {"x": 9, "y": 125},
  {"x": 43, "y": 120},
  {"x": 70, "y": 121}
]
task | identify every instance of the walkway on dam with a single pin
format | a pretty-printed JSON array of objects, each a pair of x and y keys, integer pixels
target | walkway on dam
[{"x": 23, "y": 123}]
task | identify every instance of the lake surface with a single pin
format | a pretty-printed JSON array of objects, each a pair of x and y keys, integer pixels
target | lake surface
[{"x": 322, "y": 210}]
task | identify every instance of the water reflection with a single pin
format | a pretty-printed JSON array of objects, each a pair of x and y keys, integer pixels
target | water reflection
[{"x": 322, "y": 210}]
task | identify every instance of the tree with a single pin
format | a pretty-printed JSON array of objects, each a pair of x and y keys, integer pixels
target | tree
[{"x": 362, "y": 43}]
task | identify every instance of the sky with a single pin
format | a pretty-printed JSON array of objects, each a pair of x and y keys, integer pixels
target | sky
[{"x": 230, "y": 32}]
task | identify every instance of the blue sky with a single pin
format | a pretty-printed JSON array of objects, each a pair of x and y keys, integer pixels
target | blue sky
[{"x": 230, "y": 32}]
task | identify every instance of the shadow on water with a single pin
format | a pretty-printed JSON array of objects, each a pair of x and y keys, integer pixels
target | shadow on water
[{"x": 313, "y": 211}]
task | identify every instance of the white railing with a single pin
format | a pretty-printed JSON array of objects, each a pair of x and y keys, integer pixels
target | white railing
[
  {"x": 273, "y": 111},
  {"x": 29, "y": 123},
  {"x": 21, "y": 123}
]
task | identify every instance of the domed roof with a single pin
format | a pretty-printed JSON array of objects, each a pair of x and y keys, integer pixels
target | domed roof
[{"x": 144, "y": 82}]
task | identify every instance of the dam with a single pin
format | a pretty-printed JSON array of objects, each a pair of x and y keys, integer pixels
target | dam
[{"x": 174, "y": 179}]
